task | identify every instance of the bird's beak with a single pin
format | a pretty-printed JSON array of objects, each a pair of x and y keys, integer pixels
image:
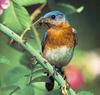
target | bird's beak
[
  {"x": 42, "y": 21},
  {"x": 38, "y": 21}
]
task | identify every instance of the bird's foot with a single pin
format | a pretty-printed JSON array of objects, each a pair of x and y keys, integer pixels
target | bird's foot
[
  {"x": 64, "y": 90},
  {"x": 33, "y": 59}
]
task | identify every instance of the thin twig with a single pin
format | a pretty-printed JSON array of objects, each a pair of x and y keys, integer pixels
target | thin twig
[
  {"x": 37, "y": 21},
  {"x": 23, "y": 34}
]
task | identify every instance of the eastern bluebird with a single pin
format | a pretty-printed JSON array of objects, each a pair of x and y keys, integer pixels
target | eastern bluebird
[{"x": 58, "y": 42}]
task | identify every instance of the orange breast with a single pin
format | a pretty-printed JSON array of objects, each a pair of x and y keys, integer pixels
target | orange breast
[{"x": 60, "y": 35}]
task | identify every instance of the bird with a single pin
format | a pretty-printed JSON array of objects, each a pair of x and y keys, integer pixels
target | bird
[{"x": 58, "y": 42}]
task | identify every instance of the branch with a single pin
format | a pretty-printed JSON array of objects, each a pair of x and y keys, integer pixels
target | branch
[
  {"x": 37, "y": 11},
  {"x": 44, "y": 63}
]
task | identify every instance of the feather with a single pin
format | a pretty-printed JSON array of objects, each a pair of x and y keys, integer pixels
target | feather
[{"x": 44, "y": 40}]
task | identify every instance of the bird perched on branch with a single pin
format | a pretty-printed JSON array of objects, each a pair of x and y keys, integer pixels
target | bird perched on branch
[{"x": 58, "y": 42}]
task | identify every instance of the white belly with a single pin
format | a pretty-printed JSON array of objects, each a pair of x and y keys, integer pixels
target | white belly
[{"x": 59, "y": 56}]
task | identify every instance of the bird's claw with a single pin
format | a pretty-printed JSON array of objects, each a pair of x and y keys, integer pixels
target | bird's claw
[
  {"x": 33, "y": 59},
  {"x": 52, "y": 74},
  {"x": 64, "y": 91}
]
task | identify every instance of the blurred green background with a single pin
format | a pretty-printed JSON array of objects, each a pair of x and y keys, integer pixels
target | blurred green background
[{"x": 86, "y": 56}]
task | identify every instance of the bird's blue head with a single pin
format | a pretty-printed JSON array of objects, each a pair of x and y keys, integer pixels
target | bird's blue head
[{"x": 54, "y": 17}]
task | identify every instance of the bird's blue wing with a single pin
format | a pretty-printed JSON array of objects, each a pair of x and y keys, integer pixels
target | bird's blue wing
[{"x": 44, "y": 40}]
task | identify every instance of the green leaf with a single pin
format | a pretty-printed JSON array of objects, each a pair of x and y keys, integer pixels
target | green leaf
[
  {"x": 13, "y": 76},
  {"x": 16, "y": 18},
  {"x": 80, "y": 9},
  {"x": 39, "y": 77},
  {"x": 37, "y": 41},
  {"x": 4, "y": 60},
  {"x": 0, "y": 83},
  {"x": 37, "y": 68},
  {"x": 22, "y": 82},
  {"x": 34, "y": 38},
  {"x": 84, "y": 93},
  {"x": 70, "y": 9},
  {"x": 66, "y": 8},
  {"x": 37, "y": 74},
  {"x": 28, "y": 90},
  {"x": 30, "y": 2}
]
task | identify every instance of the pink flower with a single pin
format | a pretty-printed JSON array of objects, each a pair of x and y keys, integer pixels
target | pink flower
[
  {"x": 3, "y": 5},
  {"x": 74, "y": 76}
]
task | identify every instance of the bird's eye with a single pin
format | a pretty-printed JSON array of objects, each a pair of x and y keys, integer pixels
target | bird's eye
[{"x": 53, "y": 16}]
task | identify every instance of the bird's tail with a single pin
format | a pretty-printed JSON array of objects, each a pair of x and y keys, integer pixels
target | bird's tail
[{"x": 50, "y": 83}]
